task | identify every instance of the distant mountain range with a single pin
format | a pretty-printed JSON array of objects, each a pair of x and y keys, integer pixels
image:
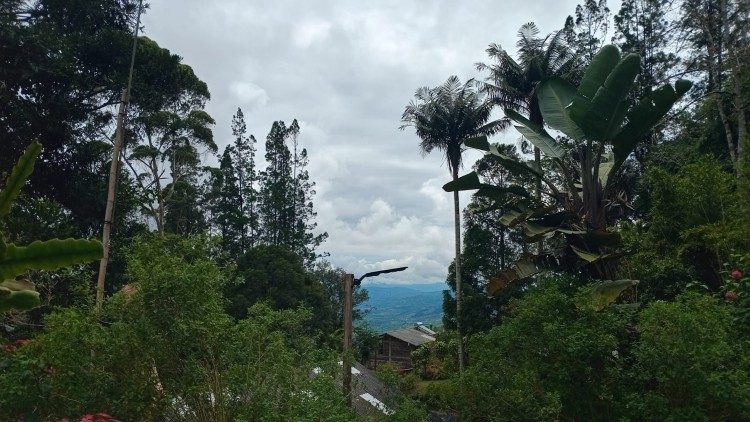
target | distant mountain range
[{"x": 394, "y": 306}]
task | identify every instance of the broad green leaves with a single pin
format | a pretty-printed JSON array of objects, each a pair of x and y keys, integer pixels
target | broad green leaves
[
  {"x": 39, "y": 255},
  {"x": 471, "y": 181},
  {"x": 17, "y": 178},
  {"x": 643, "y": 117},
  {"x": 19, "y": 295},
  {"x": 555, "y": 95},
  {"x": 536, "y": 135},
  {"x": 606, "y": 292}
]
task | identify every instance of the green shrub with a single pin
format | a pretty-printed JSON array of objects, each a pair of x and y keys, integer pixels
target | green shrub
[
  {"x": 691, "y": 362},
  {"x": 550, "y": 360}
]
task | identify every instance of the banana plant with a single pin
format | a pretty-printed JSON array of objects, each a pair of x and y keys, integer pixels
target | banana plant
[
  {"x": 15, "y": 261},
  {"x": 605, "y": 127}
]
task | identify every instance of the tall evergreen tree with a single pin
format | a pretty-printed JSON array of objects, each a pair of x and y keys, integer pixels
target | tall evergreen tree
[
  {"x": 243, "y": 156},
  {"x": 304, "y": 241},
  {"x": 586, "y": 32},
  {"x": 717, "y": 34},
  {"x": 224, "y": 204},
  {"x": 275, "y": 188},
  {"x": 285, "y": 205},
  {"x": 642, "y": 27},
  {"x": 184, "y": 215}
]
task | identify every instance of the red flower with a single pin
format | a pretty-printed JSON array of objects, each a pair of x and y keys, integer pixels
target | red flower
[
  {"x": 730, "y": 296},
  {"x": 99, "y": 417},
  {"x": 736, "y": 274}
]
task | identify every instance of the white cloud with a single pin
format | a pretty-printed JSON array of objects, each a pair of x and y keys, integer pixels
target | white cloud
[
  {"x": 346, "y": 70},
  {"x": 249, "y": 94},
  {"x": 307, "y": 33}
]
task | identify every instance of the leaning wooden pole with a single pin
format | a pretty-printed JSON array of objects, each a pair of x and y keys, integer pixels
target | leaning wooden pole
[{"x": 109, "y": 210}]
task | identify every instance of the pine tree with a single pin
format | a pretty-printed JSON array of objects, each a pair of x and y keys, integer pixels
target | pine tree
[
  {"x": 275, "y": 187},
  {"x": 587, "y": 32},
  {"x": 243, "y": 157},
  {"x": 285, "y": 206},
  {"x": 224, "y": 204},
  {"x": 303, "y": 241},
  {"x": 642, "y": 27},
  {"x": 183, "y": 214}
]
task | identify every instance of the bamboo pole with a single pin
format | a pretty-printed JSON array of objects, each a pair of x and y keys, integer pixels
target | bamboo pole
[{"x": 109, "y": 210}]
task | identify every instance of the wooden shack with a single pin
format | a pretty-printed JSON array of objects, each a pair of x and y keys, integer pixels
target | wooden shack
[{"x": 396, "y": 346}]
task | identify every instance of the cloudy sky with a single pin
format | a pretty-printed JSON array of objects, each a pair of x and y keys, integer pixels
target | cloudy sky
[{"x": 345, "y": 70}]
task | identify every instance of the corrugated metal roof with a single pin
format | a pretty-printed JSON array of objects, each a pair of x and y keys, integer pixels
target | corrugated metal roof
[{"x": 411, "y": 336}]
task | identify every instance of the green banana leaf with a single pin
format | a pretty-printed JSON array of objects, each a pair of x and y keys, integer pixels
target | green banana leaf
[
  {"x": 593, "y": 79},
  {"x": 555, "y": 95},
  {"x": 536, "y": 135},
  {"x": 606, "y": 292},
  {"x": 607, "y": 110},
  {"x": 18, "y": 176}
]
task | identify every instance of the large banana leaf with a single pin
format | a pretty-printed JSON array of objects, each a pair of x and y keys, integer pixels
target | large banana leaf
[
  {"x": 522, "y": 269},
  {"x": 555, "y": 95},
  {"x": 514, "y": 166},
  {"x": 536, "y": 135},
  {"x": 593, "y": 257},
  {"x": 607, "y": 110},
  {"x": 606, "y": 292},
  {"x": 17, "y": 178},
  {"x": 501, "y": 192},
  {"x": 480, "y": 142},
  {"x": 48, "y": 255},
  {"x": 594, "y": 77},
  {"x": 468, "y": 181},
  {"x": 643, "y": 117}
]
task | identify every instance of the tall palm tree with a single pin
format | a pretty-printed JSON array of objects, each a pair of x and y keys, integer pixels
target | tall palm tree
[
  {"x": 444, "y": 117},
  {"x": 512, "y": 84}
]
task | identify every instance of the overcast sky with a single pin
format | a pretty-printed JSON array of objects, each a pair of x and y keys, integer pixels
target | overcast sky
[{"x": 345, "y": 70}]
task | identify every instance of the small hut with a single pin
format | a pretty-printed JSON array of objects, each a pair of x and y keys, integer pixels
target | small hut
[{"x": 396, "y": 346}]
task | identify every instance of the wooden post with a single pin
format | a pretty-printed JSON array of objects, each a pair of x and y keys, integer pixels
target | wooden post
[
  {"x": 113, "y": 167},
  {"x": 346, "y": 363},
  {"x": 111, "y": 189}
]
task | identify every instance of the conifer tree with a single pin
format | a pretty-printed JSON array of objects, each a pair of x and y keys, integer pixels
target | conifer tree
[
  {"x": 243, "y": 157},
  {"x": 224, "y": 204},
  {"x": 586, "y": 32},
  {"x": 276, "y": 185},
  {"x": 304, "y": 242},
  {"x": 642, "y": 27},
  {"x": 285, "y": 207}
]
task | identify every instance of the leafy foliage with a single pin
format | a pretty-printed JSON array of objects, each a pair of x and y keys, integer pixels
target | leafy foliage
[
  {"x": 594, "y": 115},
  {"x": 41, "y": 255}
]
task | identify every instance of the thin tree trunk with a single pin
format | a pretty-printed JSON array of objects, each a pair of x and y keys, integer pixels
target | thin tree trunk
[
  {"x": 538, "y": 162},
  {"x": 113, "y": 169},
  {"x": 110, "y": 208},
  {"x": 457, "y": 263}
]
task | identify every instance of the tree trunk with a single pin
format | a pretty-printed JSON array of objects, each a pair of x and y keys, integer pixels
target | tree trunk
[
  {"x": 457, "y": 263},
  {"x": 109, "y": 211}
]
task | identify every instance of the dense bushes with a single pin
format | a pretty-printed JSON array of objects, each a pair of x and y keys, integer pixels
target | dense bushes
[
  {"x": 166, "y": 349},
  {"x": 554, "y": 360}
]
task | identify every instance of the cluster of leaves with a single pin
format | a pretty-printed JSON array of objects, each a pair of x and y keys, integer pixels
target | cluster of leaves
[
  {"x": 554, "y": 359},
  {"x": 168, "y": 350},
  {"x": 42, "y": 255}
]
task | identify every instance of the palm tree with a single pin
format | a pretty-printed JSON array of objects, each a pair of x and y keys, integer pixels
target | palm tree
[
  {"x": 444, "y": 117},
  {"x": 512, "y": 84}
]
